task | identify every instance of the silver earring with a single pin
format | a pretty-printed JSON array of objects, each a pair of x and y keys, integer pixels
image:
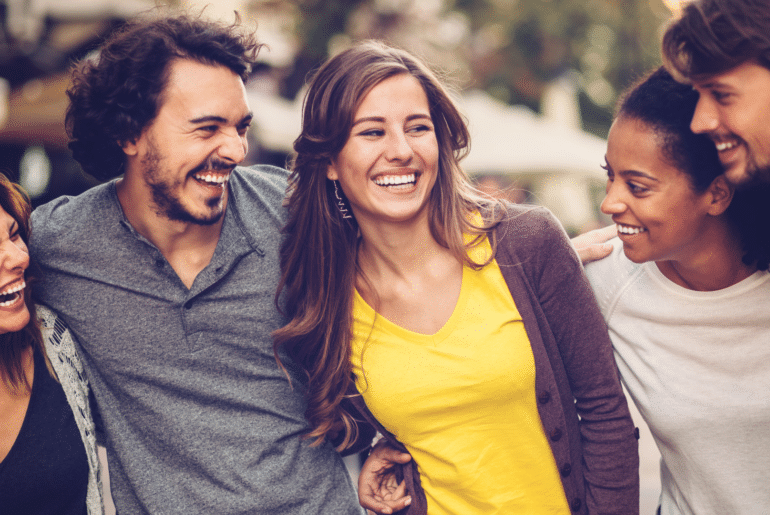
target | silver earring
[{"x": 341, "y": 202}]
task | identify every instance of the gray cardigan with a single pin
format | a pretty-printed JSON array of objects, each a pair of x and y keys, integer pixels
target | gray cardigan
[
  {"x": 580, "y": 400},
  {"x": 64, "y": 359}
]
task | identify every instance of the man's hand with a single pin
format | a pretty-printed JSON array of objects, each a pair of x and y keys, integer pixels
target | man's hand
[
  {"x": 378, "y": 490},
  {"x": 593, "y": 245}
]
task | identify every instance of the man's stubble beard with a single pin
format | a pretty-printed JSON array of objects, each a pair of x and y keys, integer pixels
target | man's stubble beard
[{"x": 166, "y": 203}]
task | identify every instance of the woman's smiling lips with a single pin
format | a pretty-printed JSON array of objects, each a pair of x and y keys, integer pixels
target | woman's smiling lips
[
  {"x": 629, "y": 229},
  {"x": 402, "y": 179},
  {"x": 11, "y": 294}
]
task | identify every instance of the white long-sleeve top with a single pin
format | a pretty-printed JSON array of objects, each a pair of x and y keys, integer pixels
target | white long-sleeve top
[{"x": 697, "y": 365}]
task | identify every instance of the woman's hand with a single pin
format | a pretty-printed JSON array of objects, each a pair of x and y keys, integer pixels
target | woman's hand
[
  {"x": 593, "y": 245},
  {"x": 378, "y": 489}
]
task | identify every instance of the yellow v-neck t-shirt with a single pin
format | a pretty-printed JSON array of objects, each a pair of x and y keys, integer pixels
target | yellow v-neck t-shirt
[{"x": 462, "y": 401}]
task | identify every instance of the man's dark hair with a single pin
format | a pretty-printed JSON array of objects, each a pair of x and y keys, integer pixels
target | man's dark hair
[
  {"x": 714, "y": 36},
  {"x": 116, "y": 94}
]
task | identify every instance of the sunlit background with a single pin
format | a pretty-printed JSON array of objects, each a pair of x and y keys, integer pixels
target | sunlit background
[{"x": 537, "y": 80}]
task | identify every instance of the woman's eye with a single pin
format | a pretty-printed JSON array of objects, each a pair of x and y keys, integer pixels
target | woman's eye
[
  {"x": 419, "y": 129},
  {"x": 635, "y": 188}
]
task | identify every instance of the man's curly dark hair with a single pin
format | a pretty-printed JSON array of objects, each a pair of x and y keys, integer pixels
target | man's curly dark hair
[{"x": 116, "y": 94}]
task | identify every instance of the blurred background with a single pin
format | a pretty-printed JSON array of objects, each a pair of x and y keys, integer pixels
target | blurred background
[{"x": 537, "y": 80}]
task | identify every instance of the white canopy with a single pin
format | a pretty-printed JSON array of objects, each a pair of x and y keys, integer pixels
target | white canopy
[{"x": 510, "y": 139}]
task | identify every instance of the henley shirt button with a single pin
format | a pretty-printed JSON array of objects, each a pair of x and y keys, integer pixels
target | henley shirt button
[
  {"x": 544, "y": 397},
  {"x": 188, "y": 304},
  {"x": 576, "y": 504},
  {"x": 556, "y": 435},
  {"x": 565, "y": 470}
]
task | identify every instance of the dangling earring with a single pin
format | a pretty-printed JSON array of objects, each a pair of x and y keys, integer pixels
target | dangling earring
[{"x": 341, "y": 202}]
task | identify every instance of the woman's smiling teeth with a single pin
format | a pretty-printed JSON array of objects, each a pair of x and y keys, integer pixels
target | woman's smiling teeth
[
  {"x": 395, "y": 180},
  {"x": 11, "y": 295},
  {"x": 627, "y": 229}
]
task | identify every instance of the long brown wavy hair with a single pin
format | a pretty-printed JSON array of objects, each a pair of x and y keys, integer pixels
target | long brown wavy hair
[
  {"x": 16, "y": 203},
  {"x": 319, "y": 253}
]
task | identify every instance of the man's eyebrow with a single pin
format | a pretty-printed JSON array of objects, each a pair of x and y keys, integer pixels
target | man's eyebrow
[
  {"x": 220, "y": 119},
  {"x": 711, "y": 84}
]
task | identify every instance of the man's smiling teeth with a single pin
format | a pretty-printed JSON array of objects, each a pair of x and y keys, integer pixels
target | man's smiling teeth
[
  {"x": 725, "y": 145},
  {"x": 11, "y": 291},
  {"x": 625, "y": 229},
  {"x": 394, "y": 180},
  {"x": 212, "y": 178}
]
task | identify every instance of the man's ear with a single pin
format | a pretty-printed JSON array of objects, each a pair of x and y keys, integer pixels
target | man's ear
[
  {"x": 721, "y": 193},
  {"x": 129, "y": 147}
]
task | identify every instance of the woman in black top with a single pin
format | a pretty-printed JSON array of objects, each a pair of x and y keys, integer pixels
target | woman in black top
[{"x": 44, "y": 466}]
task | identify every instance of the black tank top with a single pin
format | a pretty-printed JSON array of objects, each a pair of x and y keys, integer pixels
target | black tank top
[{"x": 46, "y": 470}]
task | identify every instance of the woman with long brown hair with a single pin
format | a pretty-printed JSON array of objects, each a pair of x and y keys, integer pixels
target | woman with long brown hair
[
  {"x": 460, "y": 327},
  {"x": 48, "y": 460}
]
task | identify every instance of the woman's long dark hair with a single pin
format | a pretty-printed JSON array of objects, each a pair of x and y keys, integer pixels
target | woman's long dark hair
[
  {"x": 16, "y": 203},
  {"x": 318, "y": 256}
]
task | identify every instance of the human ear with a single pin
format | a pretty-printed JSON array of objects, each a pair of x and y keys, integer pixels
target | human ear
[
  {"x": 129, "y": 147},
  {"x": 331, "y": 173},
  {"x": 721, "y": 194}
]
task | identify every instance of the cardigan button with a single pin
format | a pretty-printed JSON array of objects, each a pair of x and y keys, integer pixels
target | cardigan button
[
  {"x": 576, "y": 504},
  {"x": 565, "y": 470},
  {"x": 556, "y": 435},
  {"x": 188, "y": 304},
  {"x": 544, "y": 397}
]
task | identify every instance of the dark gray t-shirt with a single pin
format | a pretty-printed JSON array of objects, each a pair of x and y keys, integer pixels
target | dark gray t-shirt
[{"x": 198, "y": 416}]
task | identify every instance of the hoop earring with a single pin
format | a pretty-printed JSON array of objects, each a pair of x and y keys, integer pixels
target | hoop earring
[{"x": 341, "y": 202}]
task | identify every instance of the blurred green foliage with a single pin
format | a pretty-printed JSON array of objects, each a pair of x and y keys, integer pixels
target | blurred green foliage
[{"x": 511, "y": 48}]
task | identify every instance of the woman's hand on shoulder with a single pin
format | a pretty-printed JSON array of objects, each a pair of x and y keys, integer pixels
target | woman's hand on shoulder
[
  {"x": 592, "y": 245},
  {"x": 378, "y": 489}
]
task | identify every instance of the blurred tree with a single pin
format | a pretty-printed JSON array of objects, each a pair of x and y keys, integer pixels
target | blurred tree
[
  {"x": 320, "y": 21},
  {"x": 514, "y": 49},
  {"x": 518, "y": 47}
]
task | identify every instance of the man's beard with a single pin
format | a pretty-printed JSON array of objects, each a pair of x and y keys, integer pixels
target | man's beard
[
  {"x": 169, "y": 205},
  {"x": 756, "y": 174}
]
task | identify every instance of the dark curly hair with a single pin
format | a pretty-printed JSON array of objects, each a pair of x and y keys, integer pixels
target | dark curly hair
[
  {"x": 116, "y": 94},
  {"x": 714, "y": 36},
  {"x": 667, "y": 107}
]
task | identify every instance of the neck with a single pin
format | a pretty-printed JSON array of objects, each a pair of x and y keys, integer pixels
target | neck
[
  {"x": 7, "y": 389},
  {"x": 187, "y": 246},
  {"x": 399, "y": 249},
  {"x": 717, "y": 265}
]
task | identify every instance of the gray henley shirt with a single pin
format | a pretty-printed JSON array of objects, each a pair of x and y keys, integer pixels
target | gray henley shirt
[{"x": 198, "y": 417}]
